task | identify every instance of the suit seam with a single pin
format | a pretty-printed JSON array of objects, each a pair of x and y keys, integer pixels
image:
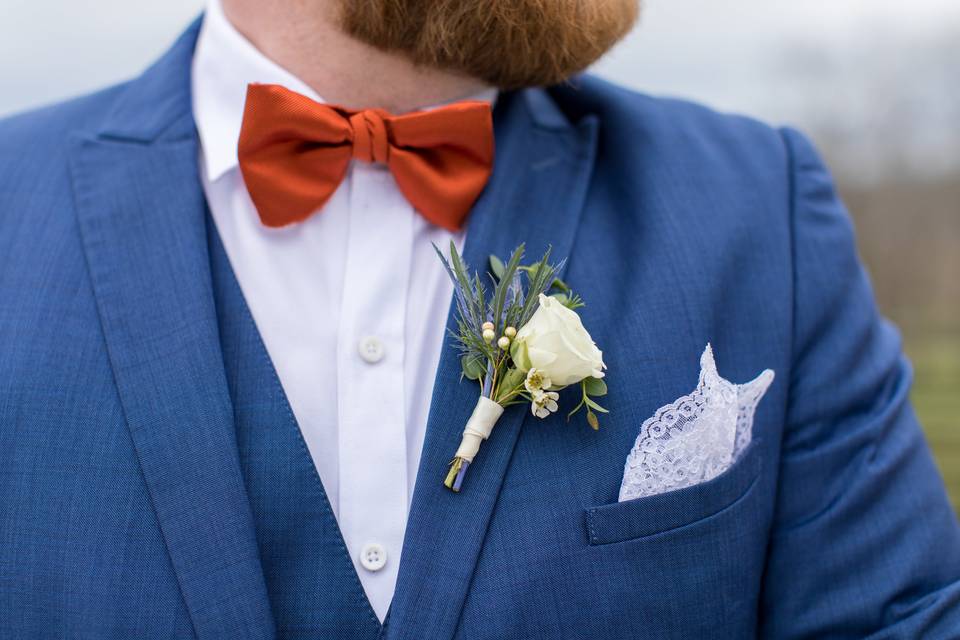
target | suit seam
[{"x": 791, "y": 175}]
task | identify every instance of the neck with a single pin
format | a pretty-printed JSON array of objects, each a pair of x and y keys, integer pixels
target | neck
[{"x": 303, "y": 37}]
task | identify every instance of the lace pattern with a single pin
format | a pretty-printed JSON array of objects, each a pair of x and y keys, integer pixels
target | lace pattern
[{"x": 695, "y": 438}]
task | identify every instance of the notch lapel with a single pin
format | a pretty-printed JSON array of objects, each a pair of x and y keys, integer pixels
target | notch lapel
[
  {"x": 141, "y": 216},
  {"x": 535, "y": 196}
]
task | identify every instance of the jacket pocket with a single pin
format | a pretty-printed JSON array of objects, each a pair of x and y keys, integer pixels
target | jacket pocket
[{"x": 651, "y": 515}]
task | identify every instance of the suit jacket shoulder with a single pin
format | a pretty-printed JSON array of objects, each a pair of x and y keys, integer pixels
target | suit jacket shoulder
[
  {"x": 34, "y": 166},
  {"x": 647, "y": 142}
]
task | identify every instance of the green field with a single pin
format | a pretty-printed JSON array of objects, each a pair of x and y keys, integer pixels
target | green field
[{"x": 936, "y": 397}]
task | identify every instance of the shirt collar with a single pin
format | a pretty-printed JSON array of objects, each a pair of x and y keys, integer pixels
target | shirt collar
[{"x": 224, "y": 63}]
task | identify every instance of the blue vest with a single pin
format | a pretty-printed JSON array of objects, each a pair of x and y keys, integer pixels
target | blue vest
[{"x": 313, "y": 588}]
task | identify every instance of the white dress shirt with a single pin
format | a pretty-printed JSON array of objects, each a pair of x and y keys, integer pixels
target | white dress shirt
[{"x": 351, "y": 305}]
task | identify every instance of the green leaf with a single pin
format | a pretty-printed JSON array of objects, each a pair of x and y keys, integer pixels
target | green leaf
[
  {"x": 481, "y": 303},
  {"x": 539, "y": 277},
  {"x": 473, "y": 367},
  {"x": 474, "y": 296},
  {"x": 570, "y": 300},
  {"x": 512, "y": 379},
  {"x": 496, "y": 266},
  {"x": 595, "y": 387},
  {"x": 500, "y": 292},
  {"x": 593, "y": 405}
]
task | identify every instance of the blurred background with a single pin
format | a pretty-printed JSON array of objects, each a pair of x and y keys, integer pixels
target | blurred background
[{"x": 876, "y": 84}]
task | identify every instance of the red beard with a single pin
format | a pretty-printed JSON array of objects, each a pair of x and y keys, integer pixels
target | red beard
[{"x": 506, "y": 43}]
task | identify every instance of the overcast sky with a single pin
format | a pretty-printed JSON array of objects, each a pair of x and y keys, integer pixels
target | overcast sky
[
  {"x": 751, "y": 56},
  {"x": 55, "y": 48}
]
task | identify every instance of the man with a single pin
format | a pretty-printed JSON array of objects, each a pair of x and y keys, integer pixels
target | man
[{"x": 227, "y": 403}]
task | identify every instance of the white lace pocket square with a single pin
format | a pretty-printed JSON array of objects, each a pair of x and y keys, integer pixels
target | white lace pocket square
[{"x": 695, "y": 438}]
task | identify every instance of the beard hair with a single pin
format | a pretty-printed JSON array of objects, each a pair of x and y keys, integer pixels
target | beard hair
[{"x": 509, "y": 44}]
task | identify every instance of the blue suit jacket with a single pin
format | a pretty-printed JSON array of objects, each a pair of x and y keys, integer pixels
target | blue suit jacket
[{"x": 122, "y": 507}]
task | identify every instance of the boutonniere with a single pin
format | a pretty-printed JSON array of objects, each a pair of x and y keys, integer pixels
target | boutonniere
[{"x": 522, "y": 340}]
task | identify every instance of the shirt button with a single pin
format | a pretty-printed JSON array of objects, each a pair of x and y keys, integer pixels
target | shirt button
[
  {"x": 373, "y": 556},
  {"x": 371, "y": 349}
]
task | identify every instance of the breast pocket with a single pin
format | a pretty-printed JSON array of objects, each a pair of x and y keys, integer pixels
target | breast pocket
[{"x": 664, "y": 512}]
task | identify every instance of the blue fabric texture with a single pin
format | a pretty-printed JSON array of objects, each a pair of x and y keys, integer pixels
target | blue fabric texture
[{"x": 145, "y": 445}]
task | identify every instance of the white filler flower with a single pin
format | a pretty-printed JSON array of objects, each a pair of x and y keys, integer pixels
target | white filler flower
[
  {"x": 536, "y": 382},
  {"x": 544, "y": 403}
]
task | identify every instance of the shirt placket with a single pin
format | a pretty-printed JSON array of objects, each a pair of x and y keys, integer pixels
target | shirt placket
[{"x": 372, "y": 435}]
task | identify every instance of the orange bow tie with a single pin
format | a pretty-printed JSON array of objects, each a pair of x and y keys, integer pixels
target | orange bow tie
[{"x": 294, "y": 152}]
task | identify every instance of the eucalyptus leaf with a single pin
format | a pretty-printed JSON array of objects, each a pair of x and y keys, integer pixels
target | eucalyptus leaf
[
  {"x": 595, "y": 387},
  {"x": 473, "y": 368}
]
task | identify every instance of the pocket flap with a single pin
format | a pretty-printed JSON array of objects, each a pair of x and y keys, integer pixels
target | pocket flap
[{"x": 660, "y": 513}]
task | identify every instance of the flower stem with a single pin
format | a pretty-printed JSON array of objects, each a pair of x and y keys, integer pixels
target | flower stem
[
  {"x": 454, "y": 479},
  {"x": 487, "y": 390},
  {"x": 513, "y": 392}
]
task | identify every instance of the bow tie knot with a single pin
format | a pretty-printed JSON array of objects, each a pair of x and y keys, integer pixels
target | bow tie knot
[
  {"x": 371, "y": 142},
  {"x": 294, "y": 153}
]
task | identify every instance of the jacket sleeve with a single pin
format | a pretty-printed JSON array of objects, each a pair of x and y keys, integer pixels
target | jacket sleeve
[{"x": 864, "y": 542}]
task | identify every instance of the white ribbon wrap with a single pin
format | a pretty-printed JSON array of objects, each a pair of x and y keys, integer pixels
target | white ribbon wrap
[{"x": 478, "y": 428}]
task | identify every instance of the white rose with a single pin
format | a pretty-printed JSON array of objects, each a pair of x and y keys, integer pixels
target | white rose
[{"x": 555, "y": 343}]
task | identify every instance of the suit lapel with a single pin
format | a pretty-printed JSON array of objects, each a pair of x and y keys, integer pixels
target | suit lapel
[
  {"x": 541, "y": 174},
  {"x": 141, "y": 216}
]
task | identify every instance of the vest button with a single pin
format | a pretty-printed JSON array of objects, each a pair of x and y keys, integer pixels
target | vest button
[{"x": 373, "y": 556}]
